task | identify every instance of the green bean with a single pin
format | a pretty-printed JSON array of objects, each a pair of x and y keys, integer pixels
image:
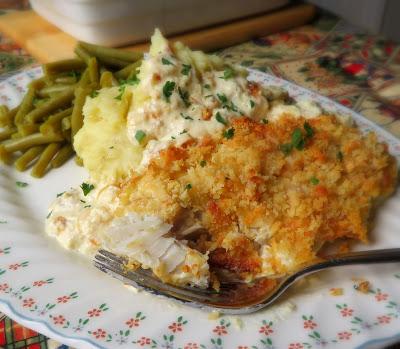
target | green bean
[
  {"x": 6, "y": 133},
  {"x": 77, "y": 117},
  {"x": 27, "y": 129},
  {"x": 82, "y": 53},
  {"x": 62, "y": 156},
  {"x": 85, "y": 78},
  {"x": 65, "y": 65},
  {"x": 16, "y": 135},
  {"x": 38, "y": 83},
  {"x": 53, "y": 122},
  {"x": 26, "y": 105},
  {"x": 66, "y": 123},
  {"x": 22, "y": 163},
  {"x": 105, "y": 59},
  {"x": 39, "y": 101},
  {"x": 5, "y": 156},
  {"x": 107, "y": 52},
  {"x": 93, "y": 69},
  {"x": 5, "y": 116},
  {"x": 23, "y": 143},
  {"x": 62, "y": 100},
  {"x": 52, "y": 90},
  {"x": 78, "y": 161},
  {"x": 113, "y": 62},
  {"x": 66, "y": 80},
  {"x": 126, "y": 72},
  {"x": 40, "y": 167},
  {"x": 106, "y": 79},
  {"x": 66, "y": 128}
]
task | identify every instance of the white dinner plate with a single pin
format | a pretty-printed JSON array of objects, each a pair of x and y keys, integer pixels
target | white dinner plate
[{"x": 61, "y": 295}]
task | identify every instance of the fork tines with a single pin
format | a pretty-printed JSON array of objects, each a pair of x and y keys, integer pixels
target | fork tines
[{"x": 116, "y": 266}]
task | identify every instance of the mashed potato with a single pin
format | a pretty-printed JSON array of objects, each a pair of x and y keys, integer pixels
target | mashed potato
[{"x": 102, "y": 143}]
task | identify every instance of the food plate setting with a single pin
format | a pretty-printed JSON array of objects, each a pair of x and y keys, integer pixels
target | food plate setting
[{"x": 59, "y": 292}]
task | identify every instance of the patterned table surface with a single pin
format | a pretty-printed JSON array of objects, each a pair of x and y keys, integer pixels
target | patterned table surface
[{"x": 329, "y": 56}]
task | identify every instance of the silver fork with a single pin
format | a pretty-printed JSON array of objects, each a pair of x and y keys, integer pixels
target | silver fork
[{"x": 233, "y": 297}]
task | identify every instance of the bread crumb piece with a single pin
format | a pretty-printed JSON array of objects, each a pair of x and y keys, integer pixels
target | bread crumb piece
[
  {"x": 283, "y": 310},
  {"x": 336, "y": 291},
  {"x": 344, "y": 247},
  {"x": 363, "y": 286},
  {"x": 237, "y": 322},
  {"x": 214, "y": 315},
  {"x": 132, "y": 288}
]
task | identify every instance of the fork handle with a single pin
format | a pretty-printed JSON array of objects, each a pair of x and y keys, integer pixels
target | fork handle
[
  {"x": 365, "y": 257},
  {"x": 388, "y": 255}
]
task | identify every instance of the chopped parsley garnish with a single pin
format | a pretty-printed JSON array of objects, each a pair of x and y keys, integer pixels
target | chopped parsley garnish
[
  {"x": 121, "y": 91},
  {"x": 83, "y": 201},
  {"x": 183, "y": 132},
  {"x": 186, "y": 69},
  {"x": 184, "y": 96},
  {"x": 309, "y": 130},
  {"x": 172, "y": 137},
  {"x": 221, "y": 119},
  {"x": 94, "y": 94},
  {"x": 186, "y": 117},
  {"x": 21, "y": 184},
  {"x": 166, "y": 61},
  {"x": 339, "y": 155},
  {"x": 86, "y": 206},
  {"x": 188, "y": 186},
  {"x": 86, "y": 188},
  {"x": 252, "y": 104},
  {"x": 203, "y": 163},
  {"x": 232, "y": 107},
  {"x": 314, "y": 180},
  {"x": 168, "y": 88},
  {"x": 208, "y": 96},
  {"x": 112, "y": 147},
  {"x": 222, "y": 98},
  {"x": 228, "y": 73},
  {"x": 264, "y": 121},
  {"x": 3, "y": 222},
  {"x": 60, "y": 194},
  {"x": 226, "y": 104},
  {"x": 207, "y": 86},
  {"x": 134, "y": 80},
  {"x": 49, "y": 214},
  {"x": 140, "y": 136},
  {"x": 228, "y": 134},
  {"x": 298, "y": 139}
]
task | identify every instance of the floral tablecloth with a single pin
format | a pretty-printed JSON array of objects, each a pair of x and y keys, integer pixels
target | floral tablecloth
[{"x": 360, "y": 71}]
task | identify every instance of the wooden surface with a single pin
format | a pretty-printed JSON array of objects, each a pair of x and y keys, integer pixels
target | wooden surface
[{"x": 45, "y": 42}]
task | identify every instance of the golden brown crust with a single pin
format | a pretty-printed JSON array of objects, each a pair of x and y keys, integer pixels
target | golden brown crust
[{"x": 247, "y": 193}]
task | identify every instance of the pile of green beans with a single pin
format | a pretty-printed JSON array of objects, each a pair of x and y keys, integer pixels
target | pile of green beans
[{"x": 39, "y": 133}]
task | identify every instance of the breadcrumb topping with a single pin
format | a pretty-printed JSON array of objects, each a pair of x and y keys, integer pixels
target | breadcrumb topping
[{"x": 266, "y": 208}]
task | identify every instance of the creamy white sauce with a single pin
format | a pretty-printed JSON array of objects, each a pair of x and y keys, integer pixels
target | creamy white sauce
[
  {"x": 86, "y": 223},
  {"x": 303, "y": 108},
  {"x": 193, "y": 105}
]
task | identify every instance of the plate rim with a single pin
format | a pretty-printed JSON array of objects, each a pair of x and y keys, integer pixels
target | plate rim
[{"x": 45, "y": 327}]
